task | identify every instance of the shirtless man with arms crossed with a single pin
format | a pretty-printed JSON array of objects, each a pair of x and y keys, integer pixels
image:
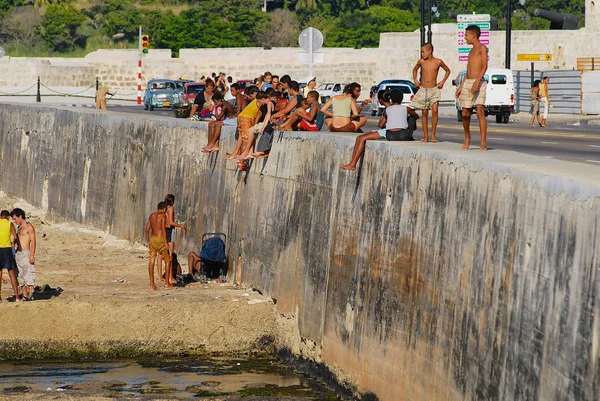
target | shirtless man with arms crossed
[
  {"x": 472, "y": 90},
  {"x": 428, "y": 96},
  {"x": 157, "y": 243},
  {"x": 26, "y": 245}
]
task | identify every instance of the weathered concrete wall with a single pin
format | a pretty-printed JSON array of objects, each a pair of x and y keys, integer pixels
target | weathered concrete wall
[{"x": 433, "y": 275}]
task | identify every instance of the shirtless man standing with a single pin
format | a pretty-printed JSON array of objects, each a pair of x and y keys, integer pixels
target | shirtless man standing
[
  {"x": 472, "y": 90},
  {"x": 26, "y": 245},
  {"x": 157, "y": 243},
  {"x": 429, "y": 95}
]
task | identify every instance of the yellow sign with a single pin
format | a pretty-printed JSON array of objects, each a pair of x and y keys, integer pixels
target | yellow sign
[{"x": 534, "y": 57}]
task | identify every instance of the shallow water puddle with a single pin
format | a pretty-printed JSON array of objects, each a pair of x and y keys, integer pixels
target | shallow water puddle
[{"x": 172, "y": 378}]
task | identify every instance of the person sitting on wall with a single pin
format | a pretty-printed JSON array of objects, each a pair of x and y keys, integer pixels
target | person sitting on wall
[
  {"x": 397, "y": 123},
  {"x": 203, "y": 100},
  {"x": 227, "y": 116},
  {"x": 245, "y": 121},
  {"x": 345, "y": 116},
  {"x": 295, "y": 100}
]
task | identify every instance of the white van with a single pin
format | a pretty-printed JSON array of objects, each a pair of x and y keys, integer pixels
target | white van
[{"x": 500, "y": 94}]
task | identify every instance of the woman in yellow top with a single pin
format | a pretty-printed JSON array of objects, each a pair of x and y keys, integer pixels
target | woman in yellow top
[
  {"x": 7, "y": 258},
  {"x": 246, "y": 119},
  {"x": 346, "y": 116}
]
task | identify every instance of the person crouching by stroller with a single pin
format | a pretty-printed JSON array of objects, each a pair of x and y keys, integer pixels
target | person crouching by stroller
[{"x": 397, "y": 123}]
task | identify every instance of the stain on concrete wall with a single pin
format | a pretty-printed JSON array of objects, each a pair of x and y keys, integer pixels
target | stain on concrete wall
[{"x": 435, "y": 276}]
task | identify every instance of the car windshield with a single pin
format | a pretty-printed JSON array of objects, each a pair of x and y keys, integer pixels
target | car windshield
[
  {"x": 402, "y": 88},
  {"x": 194, "y": 89},
  {"x": 162, "y": 85},
  {"x": 325, "y": 87}
]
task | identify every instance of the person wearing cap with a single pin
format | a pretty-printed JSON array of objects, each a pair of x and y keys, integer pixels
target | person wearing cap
[{"x": 310, "y": 86}]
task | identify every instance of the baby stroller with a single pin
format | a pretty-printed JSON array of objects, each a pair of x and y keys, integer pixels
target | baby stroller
[{"x": 213, "y": 258}]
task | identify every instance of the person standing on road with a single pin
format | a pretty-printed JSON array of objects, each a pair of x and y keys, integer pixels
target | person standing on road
[
  {"x": 544, "y": 99},
  {"x": 472, "y": 90},
  {"x": 101, "y": 97},
  {"x": 428, "y": 96},
  {"x": 534, "y": 95}
]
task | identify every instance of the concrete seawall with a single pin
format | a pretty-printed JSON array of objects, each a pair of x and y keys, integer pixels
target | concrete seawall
[{"x": 434, "y": 274}]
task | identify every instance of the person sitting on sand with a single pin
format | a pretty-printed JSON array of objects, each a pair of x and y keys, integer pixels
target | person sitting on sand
[
  {"x": 157, "y": 243},
  {"x": 7, "y": 258},
  {"x": 394, "y": 124},
  {"x": 345, "y": 116}
]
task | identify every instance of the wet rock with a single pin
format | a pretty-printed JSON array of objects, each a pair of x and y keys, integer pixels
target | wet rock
[{"x": 17, "y": 389}]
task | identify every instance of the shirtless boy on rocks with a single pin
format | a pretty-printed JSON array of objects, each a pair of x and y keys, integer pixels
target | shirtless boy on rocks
[
  {"x": 429, "y": 95},
  {"x": 472, "y": 90},
  {"x": 157, "y": 243},
  {"x": 26, "y": 245}
]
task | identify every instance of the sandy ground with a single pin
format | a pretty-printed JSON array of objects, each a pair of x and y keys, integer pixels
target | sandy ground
[{"x": 107, "y": 308}]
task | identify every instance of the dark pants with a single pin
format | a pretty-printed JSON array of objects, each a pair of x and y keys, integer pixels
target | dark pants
[
  {"x": 403, "y": 134},
  {"x": 266, "y": 139}
]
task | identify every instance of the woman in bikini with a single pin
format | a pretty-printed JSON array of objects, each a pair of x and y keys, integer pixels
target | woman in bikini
[{"x": 346, "y": 116}]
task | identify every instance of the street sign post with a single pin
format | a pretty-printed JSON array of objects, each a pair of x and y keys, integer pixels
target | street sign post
[
  {"x": 311, "y": 40},
  {"x": 462, "y": 22}
]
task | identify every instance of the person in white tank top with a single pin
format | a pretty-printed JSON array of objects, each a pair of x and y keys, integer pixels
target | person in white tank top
[{"x": 397, "y": 124}]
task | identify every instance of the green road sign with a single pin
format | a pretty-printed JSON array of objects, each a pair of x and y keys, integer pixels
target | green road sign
[
  {"x": 464, "y": 50},
  {"x": 481, "y": 25}
]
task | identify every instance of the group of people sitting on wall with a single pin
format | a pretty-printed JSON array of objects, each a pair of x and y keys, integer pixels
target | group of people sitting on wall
[{"x": 279, "y": 103}]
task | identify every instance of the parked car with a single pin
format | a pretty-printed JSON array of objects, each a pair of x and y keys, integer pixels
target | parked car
[
  {"x": 499, "y": 96},
  {"x": 244, "y": 83},
  {"x": 329, "y": 89},
  {"x": 376, "y": 88},
  {"x": 190, "y": 90},
  {"x": 408, "y": 89},
  {"x": 162, "y": 93}
]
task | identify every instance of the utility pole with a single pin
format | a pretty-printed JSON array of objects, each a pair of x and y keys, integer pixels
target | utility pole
[
  {"x": 429, "y": 12},
  {"x": 508, "y": 33},
  {"x": 423, "y": 22}
]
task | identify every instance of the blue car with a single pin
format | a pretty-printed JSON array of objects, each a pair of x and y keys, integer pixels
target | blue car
[{"x": 162, "y": 93}]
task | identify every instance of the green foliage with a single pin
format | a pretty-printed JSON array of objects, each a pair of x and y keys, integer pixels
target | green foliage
[
  {"x": 59, "y": 26},
  {"x": 176, "y": 24},
  {"x": 362, "y": 28}
]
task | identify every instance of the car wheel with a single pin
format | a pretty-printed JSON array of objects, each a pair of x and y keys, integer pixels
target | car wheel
[
  {"x": 499, "y": 119},
  {"x": 505, "y": 119},
  {"x": 145, "y": 106},
  {"x": 459, "y": 116},
  {"x": 373, "y": 113},
  {"x": 151, "y": 108}
]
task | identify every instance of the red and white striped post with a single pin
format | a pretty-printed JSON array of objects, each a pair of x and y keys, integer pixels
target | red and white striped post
[{"x": 139, "y": 96}]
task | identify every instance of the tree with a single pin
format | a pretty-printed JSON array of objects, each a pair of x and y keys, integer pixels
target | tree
[
  {"x": 59, "y": 26},
  {"x": 281, "y": 31},
  {"x": 362, "y": 28}
]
